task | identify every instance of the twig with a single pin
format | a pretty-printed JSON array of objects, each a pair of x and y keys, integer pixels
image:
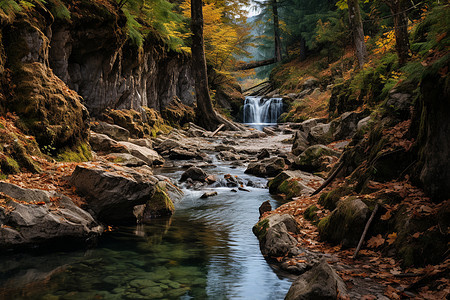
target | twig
[
  {"x": 329, "y": 180},
  {"x": 361, "y": 240},
  {"x": 217, "y": 130}
]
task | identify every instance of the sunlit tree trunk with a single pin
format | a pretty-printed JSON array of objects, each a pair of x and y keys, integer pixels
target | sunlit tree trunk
[
  {"x": 398, "y": 10},
  {"x": 356, "y": 26},
  {"x": 205, "y": 114}
]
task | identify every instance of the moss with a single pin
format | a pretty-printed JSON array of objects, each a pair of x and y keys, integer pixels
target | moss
[
  {"x": 260, "y": 229},
  {"x": 311, "y": 214},
  {"x": 290, "y": 188},
  {"x": 330, "y": 200},
  {"x": 160, "y": 204},
  {"x": 323, "y": 225},
  {"x": 79, "y": 153},
  {"x": 9, "y": 165}
]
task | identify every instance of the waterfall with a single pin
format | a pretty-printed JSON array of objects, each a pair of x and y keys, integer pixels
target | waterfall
[{"x": 259, "y": 110}]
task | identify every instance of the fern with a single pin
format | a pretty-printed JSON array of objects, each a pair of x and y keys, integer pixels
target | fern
[{"x": 59, "y": 10}]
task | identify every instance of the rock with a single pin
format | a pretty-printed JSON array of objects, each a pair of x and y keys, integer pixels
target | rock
[
  {"x": 264, "y": 153},
  {"x": 125, "y": 159},
  {"x": 293, "y": 183},
  {"x": 150, "y": 156},
  {"x": 269, "y": 131},
  {"x": 196, "y": 131},
  {"x": 308, "y": 124},
  {"x": 320, "y": 134},
  {"x": 144, "y": 142},
  {"x": 346, "y": 223},
  {"x": 256, "y": 169},
  {"x": 310, "y": 83},
  {"x": 194, "y": 173},
  {"x": 113, "y": 131},
  {"x": 208, "y": 194},
  {"x": 363, "y": 123},
  {"x": 29, "y": 217},
  {"x": 103, "y": 143},
  {"x": 219, "y": 148},
  {"x": 168, "y": 144},
  {"x": 274, "y": 166},
  {"x": 160, "y": 205},
  {"x": 227, "y": 156},
  {"x": 321, "y": 282},
  {"x": 313, "y": 158},
  {"x": 300, "y": 142},
  {"x": 399, "y": 104},
  {"x": 274, "y": 237},
  {"x": 183, "y": 154},
  {"x": 265, "y": 207},
  {"x": 346, "y": 125},
  {"x": 112, "y": 191}
]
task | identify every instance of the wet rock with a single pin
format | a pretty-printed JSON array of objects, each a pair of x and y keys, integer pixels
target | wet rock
[
  {"x": 265, "y": 207},
  {"x": 313, "y": 159},
  {"x": 264, "y": 153},
  {"x": 29, "y": 217},
  {"x": 274, "y": 235},
  {"x": 346, "y": 223},
  {"x": 113, "y": 191},
  {"x": 274, "y": 166},
  {"x": 220, "y": 148},
  {"x": 150, "y": 156},
  {"x": 195, "y": 174},
  {"x": 159, "y": 205},
  {"x": 321, "y": 282},
  {"x": 113, "y": 131},
  {"x": 125, "y": 159},
  {"x": 103, "y": 143},
  {"x": 228, "y": 156},
  {"x": 256, "y": 169},
  {"x": 208, "y": 194}
]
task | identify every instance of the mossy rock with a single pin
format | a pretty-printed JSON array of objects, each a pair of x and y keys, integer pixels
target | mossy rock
[
  {"x": 346, "y": 223},
  {"x": 330, "y": 200},
  {"x": 311, "y": 160},
  {"x": 310, "y": 214},
  {"x": 260, "y": 229},
  {"x": 80, "y": 153},
  {"x": 159, "y": 205},
  {"x": 177, "y": 114},
  {"x": 291, "y": 188}
]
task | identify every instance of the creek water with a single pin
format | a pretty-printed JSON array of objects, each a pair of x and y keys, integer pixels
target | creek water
[{"x": 206, "y": 250}]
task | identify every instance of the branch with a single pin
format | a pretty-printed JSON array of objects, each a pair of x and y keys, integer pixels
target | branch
[
  {"x": 361, "y": 240},
  {"x": 256, "y": 64}
]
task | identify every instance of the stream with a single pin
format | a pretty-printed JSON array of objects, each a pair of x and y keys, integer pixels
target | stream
[{"x": 206, "y": 250}]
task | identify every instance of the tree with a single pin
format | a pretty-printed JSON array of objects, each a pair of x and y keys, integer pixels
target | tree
[
  {"x": 398, "y": 9},
  {"x": 205, "y": 114},
  {"x": 276, "y": 30},
  {"x": 356, "y": 26}
]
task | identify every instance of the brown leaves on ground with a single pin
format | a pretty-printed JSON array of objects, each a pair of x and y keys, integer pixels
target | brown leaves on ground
[{"x": 372, "y": 263}]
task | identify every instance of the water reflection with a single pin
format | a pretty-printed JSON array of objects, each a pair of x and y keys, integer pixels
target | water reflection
[{"x": 205, "y": 251}]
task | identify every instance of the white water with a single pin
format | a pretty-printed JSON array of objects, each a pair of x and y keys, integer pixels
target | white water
[{"x": 259, "y": 110}]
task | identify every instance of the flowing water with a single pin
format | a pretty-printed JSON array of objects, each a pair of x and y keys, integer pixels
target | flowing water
[
  {"x": 259, "y": 111},
  {"x": 206, "y": 250}
]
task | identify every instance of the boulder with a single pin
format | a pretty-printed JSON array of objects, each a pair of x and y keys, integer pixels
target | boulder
[
  {"x": 228, "y": 155},
  {"x": 103, "y": 143},
  {"x": 274, "y": 235},
  {"x": 168, "y": 144},
  {"x": 269, "y": 131},
  {"x": 144, "y": 142},
  {"x": 320, "y": 134},
  {"x": 256, "y": 169},
  {"x": 182, "y": 154},
  {"x": 151, "y": 157},
  {"x": 264, "y": 153},
  {"x": 346, "y": 125},
  {"x": 113, "y": 131},
  {"x": 208, "y": 194},
  {"x": 294, "y": 183},
  {"x": 346, "y": 223},
  {"x": 30, "y": 217},
  {"x": 113, "y": 191},
  {"x": 320, "y": 282},
  {"x": 310, "y": 83},
  {"x": 306, "y": 126},
  {"x": 300, "y": 142},
  {"x": 160, "y": 204},
  {"x": 195, "y": 174},
  {"x": 274, "y": 166},
  {"x": 125, "y": 159},
  {"x": 265, "y": 207},
  {"x": 313, "y": 159}
]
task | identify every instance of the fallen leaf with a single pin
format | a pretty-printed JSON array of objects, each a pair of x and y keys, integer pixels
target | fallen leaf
[
  {"x": 391, "y": 238},
  {"x": 386, "y": 216},
  {"x": 391, "y": 293},
  {"x": 375, "y": 241}
]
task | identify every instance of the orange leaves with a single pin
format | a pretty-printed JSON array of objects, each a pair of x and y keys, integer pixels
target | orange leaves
[
  {"x": 391, "y": 238},
  {"x": 391, "y": 293},
  {"x": 376, "y": 241}
]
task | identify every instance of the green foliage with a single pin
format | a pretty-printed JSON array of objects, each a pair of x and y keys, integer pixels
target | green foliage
[
  {"x": 331, "y": 37},
  {"x": 59, "y": 10}
]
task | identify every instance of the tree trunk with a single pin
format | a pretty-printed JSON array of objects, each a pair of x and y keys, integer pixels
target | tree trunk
[
  {"x": 398, "y": 10},
  {"x": 276, "y": 30},
  {"x": 256, "y": 64},
  {"x": 356, "y": 26},
  {"x": 205, "y": 114},
  {"x": 302, "y": 49}
]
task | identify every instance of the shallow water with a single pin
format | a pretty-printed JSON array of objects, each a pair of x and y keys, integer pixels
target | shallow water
[{"x": 206, "y": 250}]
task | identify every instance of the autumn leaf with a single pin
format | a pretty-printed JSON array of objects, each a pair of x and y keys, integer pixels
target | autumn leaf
[
  {"x": 375, "y": 241},
  {"x": 416, "y": 235},
  {"x": 391, "y": 238},
  {"x": 386, "y": 216},
  {"x": 391, "y": 293}
]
